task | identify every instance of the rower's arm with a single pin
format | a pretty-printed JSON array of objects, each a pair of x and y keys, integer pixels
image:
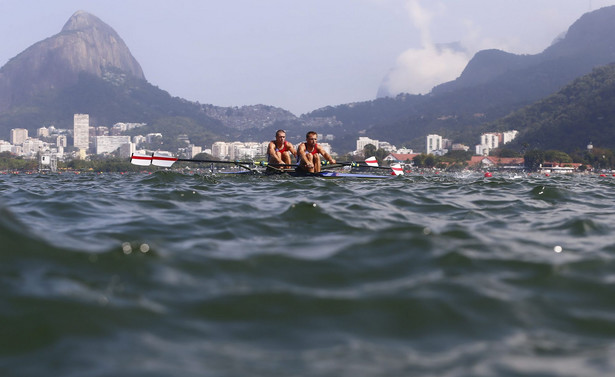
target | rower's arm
[
  {"x": 326, "y": 155},
  {"x": 292, "y": 149},
  {"x": 301, "y": 154},
  {"x": 271, "y": 149}
]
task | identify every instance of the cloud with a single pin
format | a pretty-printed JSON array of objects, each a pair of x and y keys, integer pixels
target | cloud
[{"x": 417, "y": 71}]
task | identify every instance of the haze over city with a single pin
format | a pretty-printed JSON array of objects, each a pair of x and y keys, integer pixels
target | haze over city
[{"x": 302, "y": 55}]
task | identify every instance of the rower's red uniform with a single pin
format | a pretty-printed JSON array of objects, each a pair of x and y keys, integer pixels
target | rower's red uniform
[
  {"x": 283, "y": 149},
  {"x": 314, "y": 151}
]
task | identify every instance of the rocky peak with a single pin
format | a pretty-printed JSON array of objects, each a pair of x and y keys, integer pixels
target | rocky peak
[
  {"x": 82, "y": 20},
  {"x": 85, "y": 45}
]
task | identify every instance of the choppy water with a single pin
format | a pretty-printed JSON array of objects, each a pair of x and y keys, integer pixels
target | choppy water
[{"x": 180, "y": 275}]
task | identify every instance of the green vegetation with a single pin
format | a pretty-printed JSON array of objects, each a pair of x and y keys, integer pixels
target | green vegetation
[
  {"x": 568, "y": 120},
  {"x": 107, "y": 165},
  {"x": 10, "y": 162}
]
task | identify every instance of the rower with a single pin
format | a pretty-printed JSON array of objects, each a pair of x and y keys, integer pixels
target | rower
[
  {"x": 309, "y": 154},
  {"x": 279, "y": 150}
]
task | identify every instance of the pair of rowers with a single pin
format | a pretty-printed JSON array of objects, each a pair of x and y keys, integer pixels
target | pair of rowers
[{"x": 308, "y": 153}]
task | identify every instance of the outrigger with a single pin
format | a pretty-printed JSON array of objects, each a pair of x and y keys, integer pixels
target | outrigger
[{"x": 165, "y": 161}]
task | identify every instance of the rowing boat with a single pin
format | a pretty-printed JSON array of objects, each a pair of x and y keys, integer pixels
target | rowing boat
[
  {"x": 251, "y": 167},
  {"x": 299, "y": 173}
]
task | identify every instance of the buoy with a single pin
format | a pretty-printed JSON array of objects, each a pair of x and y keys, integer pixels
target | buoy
[
  {"x": 547, "y": 175},
  {"x": 603, "y": 175},
  {"x": 488, "y": 175}
]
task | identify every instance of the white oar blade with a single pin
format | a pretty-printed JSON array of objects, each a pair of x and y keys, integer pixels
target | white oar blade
[
  {"x": 141, "y": 159},
  {"x": 397, "y": 169},
  {"x": 163, "y": 160},
  {"x": 372, "y": 161}
]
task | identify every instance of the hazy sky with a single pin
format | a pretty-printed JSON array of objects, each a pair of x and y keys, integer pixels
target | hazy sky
[{"x": 297, "y": 54}]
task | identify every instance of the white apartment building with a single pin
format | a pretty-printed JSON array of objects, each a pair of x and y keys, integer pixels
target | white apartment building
[
  {"x": 509, "y": 136},
  {"x": 387, "y": 146},
  {"x": 326, "y": 147},
  {"x": 123, "y": 127},
  {"x": 193, "y": 150},
  {"x": 363, "y": 141},
  {"x": 220, "y": 149},
  {"x": 42, "y": 132},
  {"x": 81, "y": 131},
  {"x": 32, "y": 146},
  {"x": 492, "y": 140},
  {"x": 126, "y": 150},
  {"x": 153, "y": 137},
  {"x": 108, "y": 144},
  {"x": 139, "y": 139},
  {"x": 238, "y": 150},
  {"x": 5, "y": 146},
  {"x": 62, "y": 141},
  {"x": 433, "y": 144},
  {"x": 18, "y": 136}
]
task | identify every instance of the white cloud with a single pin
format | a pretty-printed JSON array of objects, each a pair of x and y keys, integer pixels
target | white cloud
[{"x": 417, "y": 71}]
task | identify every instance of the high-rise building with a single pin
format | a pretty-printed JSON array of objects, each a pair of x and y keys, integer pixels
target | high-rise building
[
  {"x": 434, "y": 143},
  {"x": 81, "y": 131},
  {"x": 61, "y": 141},
  {"x": 18, "y": 136}
]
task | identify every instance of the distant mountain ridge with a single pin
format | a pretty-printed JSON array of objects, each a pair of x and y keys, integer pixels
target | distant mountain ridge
[
  {"x": 587, "y": 43},
  {"x": 87, "y": 68},
  {"x": 85, "y": 44},
  {"x": 493, "y": 84}
]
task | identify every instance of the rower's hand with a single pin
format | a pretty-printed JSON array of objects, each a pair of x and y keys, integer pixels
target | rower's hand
[{"x": 332, "y": 161}]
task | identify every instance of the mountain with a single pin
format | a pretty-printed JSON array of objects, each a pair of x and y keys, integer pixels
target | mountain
[
  {"x": 580, "y": 113},
  {"x": 87, "y": 68},
  {"x": 493, "y": 84},
  {"x": 587, "y": 43},
  {"x": 85, "y": 45}
]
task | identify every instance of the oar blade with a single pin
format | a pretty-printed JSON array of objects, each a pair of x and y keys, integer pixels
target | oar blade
[
  {"x": 397, "y": 169},
  {"x": 141, "y": 159},
  {"x": 163, "y": 160},
  {"x": 372, "y": 161}
]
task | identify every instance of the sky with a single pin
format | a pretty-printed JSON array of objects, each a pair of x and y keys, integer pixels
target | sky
[{"x": 301, "y": 55}]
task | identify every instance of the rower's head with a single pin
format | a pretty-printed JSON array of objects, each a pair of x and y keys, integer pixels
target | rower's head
[
  {"x": 280, "y": 135},
  {"x": 311, "y": 137}
]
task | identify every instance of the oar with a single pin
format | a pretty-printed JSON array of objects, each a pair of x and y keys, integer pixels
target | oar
[
  {"x": 370, "y": 162},
  {"x": 161, "y": 160},
  {"x": 373, "y": 162}
]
